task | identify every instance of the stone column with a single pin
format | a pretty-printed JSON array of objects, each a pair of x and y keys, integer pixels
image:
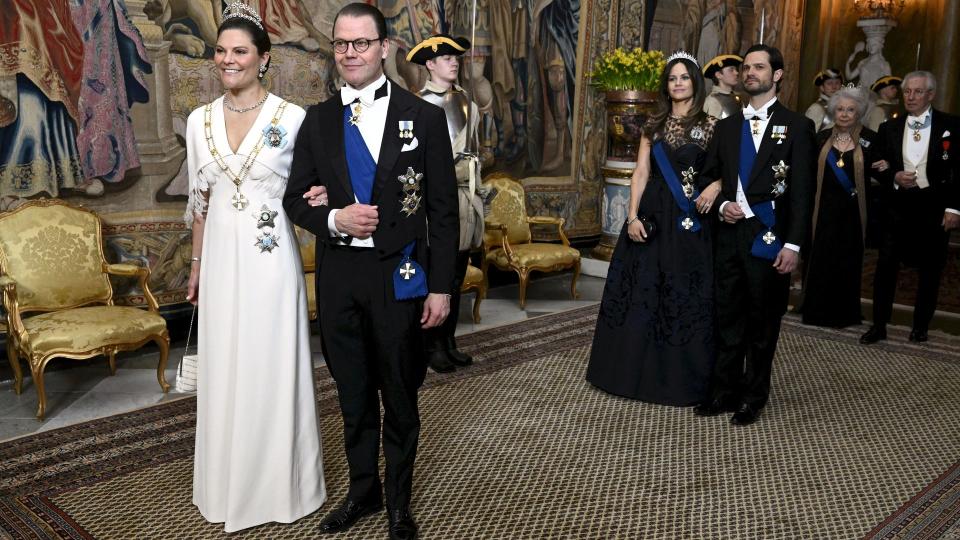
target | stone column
[{"x": 160, "y": 153}]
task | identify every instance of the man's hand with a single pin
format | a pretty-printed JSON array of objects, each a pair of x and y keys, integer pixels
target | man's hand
[
  {"x": 316, "y": 196},
  {"x": 950, "y": 221},
  {"x": 357, "y": 220},
  {"x": 906, "y": 179},
  {"x": 732, "y": 212},
  {"x": 436, "y": 308},
  {"x": 786, "y": 261}
]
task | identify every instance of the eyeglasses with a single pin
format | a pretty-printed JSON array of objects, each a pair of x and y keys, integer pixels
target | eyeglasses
[{"x": 359, "y": 44}]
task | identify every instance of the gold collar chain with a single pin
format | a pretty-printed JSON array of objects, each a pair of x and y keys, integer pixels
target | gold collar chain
[{"x": 238, "y": 201}]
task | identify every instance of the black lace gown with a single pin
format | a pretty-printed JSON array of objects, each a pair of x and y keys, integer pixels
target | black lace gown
[{"x": 654, "y": 339}]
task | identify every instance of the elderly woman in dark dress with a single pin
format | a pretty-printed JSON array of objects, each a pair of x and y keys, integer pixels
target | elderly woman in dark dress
[{"x": 834, "y": 260}]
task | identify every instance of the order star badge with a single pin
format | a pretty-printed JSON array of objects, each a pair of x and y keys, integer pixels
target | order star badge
[
  {"x": 265, "y": 217},
  {"x": 410, "y": 181},
  {"x": 266, "y": 241}
]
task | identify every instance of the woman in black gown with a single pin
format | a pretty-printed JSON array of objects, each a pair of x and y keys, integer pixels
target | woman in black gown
[
  {"x": 834, "y": 260},
  {"x": 654, "y": 339}
]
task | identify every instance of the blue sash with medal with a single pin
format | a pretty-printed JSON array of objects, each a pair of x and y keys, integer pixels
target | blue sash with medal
[
  {"x": 409, "y": 279},
  {"x": 840, "y": 174},
  {"x": 689, "y": 221},
  {"x": 766, "y": 245},
  {"x": 360, "y": 163}
]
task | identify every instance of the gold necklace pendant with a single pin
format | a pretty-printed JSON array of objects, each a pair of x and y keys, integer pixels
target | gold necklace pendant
[
  {"x": 840, "y": 162},
  {"x": 916, "y": 135}
]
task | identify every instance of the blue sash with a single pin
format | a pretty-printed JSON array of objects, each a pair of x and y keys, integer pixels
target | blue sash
[
  {"x": 764, "y": 211},
  {"x": 409, "y": 279},
  {"x": 669, "y": 173},
  {"x": 761, "y": 248},
  {"x": 748, "y": 154},
  {"x": 360, "y": 163},
  {"x": 840, "y": 174}
]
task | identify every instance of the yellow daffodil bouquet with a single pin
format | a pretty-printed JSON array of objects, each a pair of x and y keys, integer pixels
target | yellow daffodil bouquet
[{"x": 621, "y": 69}]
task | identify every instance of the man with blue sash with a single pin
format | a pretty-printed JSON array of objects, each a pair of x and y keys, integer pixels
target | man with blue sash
[
  {"x": 764, "y": 157},
  {"x": 383, "y": 275}
]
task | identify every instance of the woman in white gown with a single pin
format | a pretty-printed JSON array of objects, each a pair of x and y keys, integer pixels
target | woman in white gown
[{"x": 257, "y": 456}]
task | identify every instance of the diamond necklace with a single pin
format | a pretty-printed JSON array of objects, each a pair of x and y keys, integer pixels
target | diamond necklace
[
  {"x": 238, "y": 201},
  {"x": 229, "y": 105}
]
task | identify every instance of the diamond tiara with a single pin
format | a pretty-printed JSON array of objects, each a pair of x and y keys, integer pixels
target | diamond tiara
[
  {"x": 239, "y": 10},
  {"x": 682, "y": 54}
]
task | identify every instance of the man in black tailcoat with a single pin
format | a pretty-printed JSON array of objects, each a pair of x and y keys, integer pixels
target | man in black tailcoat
[
  {"x": 384, "y": 157},
  {"x": 923, "y": 195},
  {"x": 764, "y": 156}
]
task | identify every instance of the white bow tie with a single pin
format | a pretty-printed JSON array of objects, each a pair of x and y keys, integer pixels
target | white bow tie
[
  {"x": 755, "y": 115},
  {"x": 367, "y": 96}
]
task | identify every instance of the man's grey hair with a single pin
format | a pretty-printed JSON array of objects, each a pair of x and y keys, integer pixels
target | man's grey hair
[
  {"x": 853, "y": 93},
  {"x": 931, "y": 80}
]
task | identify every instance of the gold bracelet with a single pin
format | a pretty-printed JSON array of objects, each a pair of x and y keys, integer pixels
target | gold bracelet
[{"x": 631, "y": 220}]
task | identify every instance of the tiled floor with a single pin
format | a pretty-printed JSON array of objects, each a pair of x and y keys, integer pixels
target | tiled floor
[{"x": 88, "y": 391}]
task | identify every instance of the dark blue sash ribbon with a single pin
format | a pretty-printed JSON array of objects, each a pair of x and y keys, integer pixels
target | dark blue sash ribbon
[
  {"x": 669, "y": 172},
  {"x": 840, "y": 174},
  {"x": 748, "y": 154},
  {"x": 360, "y": 163},
  {"x": 409, "y": 279},
  {"x": 765, "y": 213}
]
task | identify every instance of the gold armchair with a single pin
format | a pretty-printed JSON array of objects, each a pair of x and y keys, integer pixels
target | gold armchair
[
  {"x": 52, "y": 263},
  {"x": 507, "y": 241},
  {"x": 474, "y": 280}
]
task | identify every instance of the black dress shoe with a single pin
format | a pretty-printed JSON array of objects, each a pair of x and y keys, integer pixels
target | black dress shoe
[
  {"x": 918, "y": 336},
  {"x": 874, "y": 334},
  {"x": 459, "y": 358},
  {"x": 347, "y": 514},
  {"x": 745, "y": 415},
  {"x": 402, "y": 526},
  {"x": 714, "y": 407},
  {"x": 439, "y": 361}
]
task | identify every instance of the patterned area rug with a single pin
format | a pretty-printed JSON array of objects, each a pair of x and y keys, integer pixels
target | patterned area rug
[{"x": 520, "y": 446}]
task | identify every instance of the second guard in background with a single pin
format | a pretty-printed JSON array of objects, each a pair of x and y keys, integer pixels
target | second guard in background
[
  {"x": 724, "y": 71},
  {"x": 440, "y": 54},
  {"x": 828, "y": 81},
  {"x": 888, "y": 103}
]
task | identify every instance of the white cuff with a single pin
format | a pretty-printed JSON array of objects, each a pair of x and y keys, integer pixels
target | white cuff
[
  {"x": 953, "y": 211},
  {"x": 331, "y": 223},
  {"x": 792, "y": 247},
  {"x": 720, "y": 210}
]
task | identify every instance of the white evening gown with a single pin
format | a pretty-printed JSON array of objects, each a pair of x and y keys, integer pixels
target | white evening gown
[{"x": 257, "y": 457}]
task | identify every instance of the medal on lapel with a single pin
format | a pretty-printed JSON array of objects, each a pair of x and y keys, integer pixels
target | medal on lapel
[
  {"x": 406, "y": 129},
  {"x": 265, "y": 217},
  {"x": 779, "y": 133},
  {"x": 410, "y": 181}
]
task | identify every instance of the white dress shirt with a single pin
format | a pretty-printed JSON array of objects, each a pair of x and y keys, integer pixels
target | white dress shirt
[
  {"x": 915, "y": 152},
  {"x": 371, "y": 123},
  {"x": 757, "y": 129}
]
